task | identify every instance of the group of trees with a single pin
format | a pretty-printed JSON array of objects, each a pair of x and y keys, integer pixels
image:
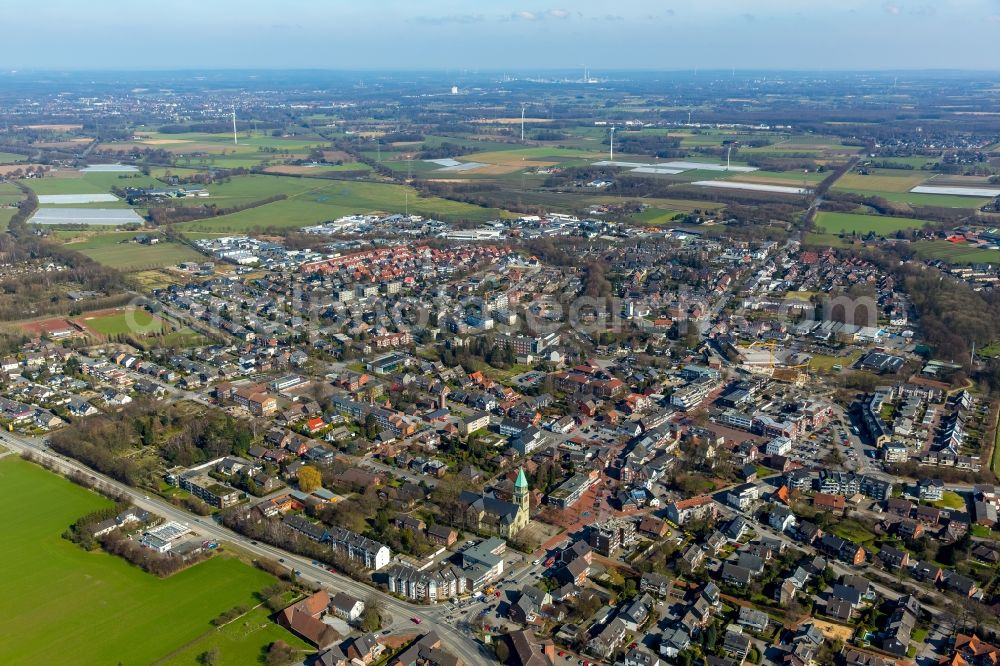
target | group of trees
[
  {"x": 273, "y": 531},
  {"x": 147, "y": 559},
  {"x": 478, "y": 348},
  {"x": 444, "y": 150},
  {"x": 657, "y": 145},
  {"x": 41, "y": 292},
  {"x": 112, "y": 443},
  {"x": 952, "y": 316},
  {"x": 81, "y": 532}
]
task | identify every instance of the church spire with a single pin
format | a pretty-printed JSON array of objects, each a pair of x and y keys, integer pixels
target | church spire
[{"x": 522, "y": 480}]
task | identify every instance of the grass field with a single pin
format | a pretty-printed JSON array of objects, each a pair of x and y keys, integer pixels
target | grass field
[
  {"x": 655, "y": 216},
  {"x": 330, "y": 200},
  {"x": 318, "y": 170},
  {"x": 125, "y": 321},
  {"x": 852, "y": 530},
  {"x": 882, "y": 180},
  {"x": 238, "y": 643},
  {"x": 65, "y": 605},
  {"x": 849, "y": 223},
  {"x": 955, "y": 253},
  {"x": 110, "y": 250},
  {"x": 950, "y": 500},
  {"x": 218, "y": 149},
  {"x": 185, "y": 337},
  {"x": 5, "y": 215},
  {"x": 74, "y": 182},
  {"x": 9, "y": 158},
  {"x": 825, "y": 363},
  {"x": 915, "y": 162}
]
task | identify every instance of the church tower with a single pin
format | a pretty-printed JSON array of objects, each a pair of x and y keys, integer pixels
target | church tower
[{"x": 521, "y": 497}]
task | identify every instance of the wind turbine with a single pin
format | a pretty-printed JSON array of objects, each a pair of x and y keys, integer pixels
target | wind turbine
[
  {"x": 235, "y": 139},
  {"x": 611, "y": 156},
  {"x": 522, "y": 122}
]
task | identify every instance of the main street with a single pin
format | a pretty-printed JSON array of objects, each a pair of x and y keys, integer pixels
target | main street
[{"x": 469, "y": 650}]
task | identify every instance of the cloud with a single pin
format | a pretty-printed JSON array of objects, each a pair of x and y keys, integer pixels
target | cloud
[
  {"x": 450, "y": 19},
  {"x": 892, "y": 8},
  {"x": 541, "y": 15}
]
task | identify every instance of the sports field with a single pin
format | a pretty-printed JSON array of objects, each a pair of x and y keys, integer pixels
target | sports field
[
  {"x": 115, "y": 322},
  {"x": 849, "y": 223},
  {"x": 62, "y": 604}
]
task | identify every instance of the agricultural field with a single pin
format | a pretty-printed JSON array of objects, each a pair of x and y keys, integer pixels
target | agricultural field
[
  {"x": 76, "y": 182},
  {"x": 894, "y": 185},
  {"x": 799, "y": 178},
  {"x": 114, "y": 250},
  {"x": 241, "y": 190},
  {"x": 917, "y": 162},
  {"x": 5, "y": 215},
  {"x": 850, "y": 223},
  {"x": 9, "y": 195},
  {"x": 116, "y": 322},
  {"x": 317, "y": 169},
  {"x": 333, "y": 199},
  {"x": 807, "y": 145},
  {"x": 882, "y": 180},
  {"x": 10, "y": 158},
  {"x": 495, "y": 159},
  {"x": 93, "y": 606},
  {"x": 252, "y": 146}
]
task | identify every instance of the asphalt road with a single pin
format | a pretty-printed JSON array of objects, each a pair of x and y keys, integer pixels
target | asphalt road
[{"x": 463, "y": 645}]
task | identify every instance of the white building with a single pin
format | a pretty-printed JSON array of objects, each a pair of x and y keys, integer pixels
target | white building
[{"x": 779, "y": 446}]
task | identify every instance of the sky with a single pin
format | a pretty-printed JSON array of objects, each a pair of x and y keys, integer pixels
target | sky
[{"x": 511, "y": 36}]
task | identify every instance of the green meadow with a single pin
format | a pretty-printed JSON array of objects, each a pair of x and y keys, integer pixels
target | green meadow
[
  {"x": 61, "y": 604},
  {"x": 850, "y": 223}
]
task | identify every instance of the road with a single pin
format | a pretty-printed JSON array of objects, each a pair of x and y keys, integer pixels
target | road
[{"x": 464, "y": 646}]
